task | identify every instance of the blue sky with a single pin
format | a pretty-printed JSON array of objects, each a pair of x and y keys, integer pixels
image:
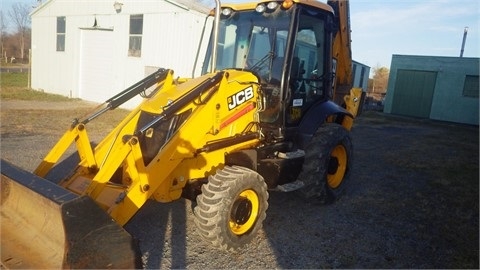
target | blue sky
[
  {"x": 420, "y": 27},
  {"x": 381, "y": 28}
]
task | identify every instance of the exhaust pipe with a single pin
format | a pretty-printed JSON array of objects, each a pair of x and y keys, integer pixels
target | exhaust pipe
[{"x": 215, "y": 35}]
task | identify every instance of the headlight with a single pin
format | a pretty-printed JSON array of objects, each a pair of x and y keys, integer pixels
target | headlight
[
  {"x": 226, "y": 11},
  {"x": 260, "y": 8},
  {"x": 272, "y": 5}
]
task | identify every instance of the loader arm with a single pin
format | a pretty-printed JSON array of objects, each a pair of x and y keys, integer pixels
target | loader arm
[{"x": 77, "y": 132}]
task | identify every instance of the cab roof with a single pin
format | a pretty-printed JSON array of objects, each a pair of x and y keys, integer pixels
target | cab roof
[{"x": 251, "y": 5}]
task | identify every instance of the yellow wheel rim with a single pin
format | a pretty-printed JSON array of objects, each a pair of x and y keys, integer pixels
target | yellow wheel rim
[
  {"x": 337, "y": 166},
  {"x": 244, "y": 212}
]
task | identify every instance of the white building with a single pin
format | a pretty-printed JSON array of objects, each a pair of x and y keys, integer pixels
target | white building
[{"x": 95, "y": 49}]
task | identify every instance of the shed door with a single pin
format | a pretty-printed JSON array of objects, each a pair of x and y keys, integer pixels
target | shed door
[
  {"x": 413, "y": 93},
  {"x": 96, "y": 65}
]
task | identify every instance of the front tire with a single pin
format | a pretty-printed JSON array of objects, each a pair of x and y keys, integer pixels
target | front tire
[
  {"x": 232, "y": 207},
  {"x": 328, "y": 162}
]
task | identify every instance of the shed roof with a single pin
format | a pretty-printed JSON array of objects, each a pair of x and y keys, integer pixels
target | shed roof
[{"x": 186, "y": 4}]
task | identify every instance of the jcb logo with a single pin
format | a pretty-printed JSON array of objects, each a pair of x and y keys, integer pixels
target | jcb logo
[{"x": 239, "y": 98}]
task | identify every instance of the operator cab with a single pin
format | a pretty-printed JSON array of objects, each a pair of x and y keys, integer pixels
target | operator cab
[{"x": 287, "y": 47}]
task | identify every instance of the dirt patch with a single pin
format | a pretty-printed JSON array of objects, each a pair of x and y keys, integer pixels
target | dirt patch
[{"x": 412, "y": 200}]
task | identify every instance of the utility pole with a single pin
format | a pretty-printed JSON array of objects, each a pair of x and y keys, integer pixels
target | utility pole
[{"x": 465, "y": 31}]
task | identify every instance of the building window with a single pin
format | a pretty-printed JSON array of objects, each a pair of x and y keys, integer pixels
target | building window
[
  {"x": 470, "y": 86},
  {"x": 136, "y": 30},
  {"x": 61, "y": 22}
]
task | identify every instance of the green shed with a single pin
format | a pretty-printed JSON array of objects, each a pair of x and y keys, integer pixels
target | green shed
[{"x": 434, "y": 87}]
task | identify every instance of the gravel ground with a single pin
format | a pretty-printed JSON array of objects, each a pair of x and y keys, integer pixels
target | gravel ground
[{"x": 412, "y": 200}]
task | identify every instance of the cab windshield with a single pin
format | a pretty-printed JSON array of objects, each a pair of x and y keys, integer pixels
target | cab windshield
[
  {"x": 253, "y": 41},
  {"x": 291, "y": 66}
]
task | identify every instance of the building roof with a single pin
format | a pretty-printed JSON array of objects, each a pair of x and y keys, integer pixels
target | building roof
[{"x": 185, "y": 4}]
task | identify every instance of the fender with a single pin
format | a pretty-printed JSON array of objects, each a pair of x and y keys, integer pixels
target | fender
[{"x": 315, "y": 117}]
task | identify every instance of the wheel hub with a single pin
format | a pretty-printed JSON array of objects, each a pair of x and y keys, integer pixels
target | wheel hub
[
  {"x": 244, "y": 212},
  {"x": 337, "y": 166},
  {"x": 333, "y": 165},
  {"x": 241, "y": 211}
]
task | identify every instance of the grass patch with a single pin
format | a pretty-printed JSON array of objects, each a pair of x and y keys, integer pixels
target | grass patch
[
  {"x": 13, "y": 80},
  {"x": 15, "y": 86},
  {"x": 28, "y": 94}
]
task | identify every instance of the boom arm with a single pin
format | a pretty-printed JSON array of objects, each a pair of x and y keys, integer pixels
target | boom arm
[
  {"x": 342, "y": 50},
  {"x": 343, "y": 93}
]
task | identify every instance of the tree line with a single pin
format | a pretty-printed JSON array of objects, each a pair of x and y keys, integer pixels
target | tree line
[{"x": 15, "y": 34}]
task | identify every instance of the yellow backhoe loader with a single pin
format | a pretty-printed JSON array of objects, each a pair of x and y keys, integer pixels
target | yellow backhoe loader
[{"x": 261, "y": 118}]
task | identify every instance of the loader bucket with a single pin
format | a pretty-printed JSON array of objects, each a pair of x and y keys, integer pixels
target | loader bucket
[{"x": 45, "y": 226}]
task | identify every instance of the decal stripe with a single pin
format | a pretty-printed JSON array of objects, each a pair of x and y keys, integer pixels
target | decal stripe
[{"x": 249, "y": 106}]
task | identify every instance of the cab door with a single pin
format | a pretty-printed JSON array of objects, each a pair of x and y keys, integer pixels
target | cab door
[{"x": 310, "y": 73}]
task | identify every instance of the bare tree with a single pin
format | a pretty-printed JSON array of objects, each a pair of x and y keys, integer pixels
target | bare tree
[
  {"x": 19, "y": 14},
  {"x": 3, "y": 33}
]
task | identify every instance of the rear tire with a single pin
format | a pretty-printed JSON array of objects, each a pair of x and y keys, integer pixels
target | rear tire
[
  {"x": 328, "y": 161},
  {"x": 232, "y": 207}
]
